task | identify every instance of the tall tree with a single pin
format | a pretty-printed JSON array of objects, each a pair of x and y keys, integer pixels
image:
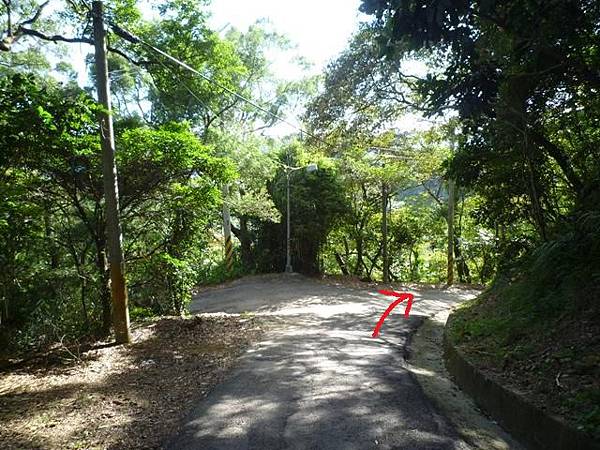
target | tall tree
[{"x": 510, "y": 70}]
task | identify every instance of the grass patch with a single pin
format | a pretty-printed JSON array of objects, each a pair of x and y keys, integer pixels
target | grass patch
[{"x": 546, "y": 347}]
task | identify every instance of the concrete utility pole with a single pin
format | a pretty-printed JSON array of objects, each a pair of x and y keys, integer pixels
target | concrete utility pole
[
  {"x": 227, "y": 229},
  {"x": 111, "y": 188},
  {"x": 384, "y": 232},
  {"x": 451, "y": 200},
  {"x": 288, "y": 251}
]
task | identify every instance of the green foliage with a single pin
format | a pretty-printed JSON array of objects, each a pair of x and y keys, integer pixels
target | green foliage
[
  {"x": 173, "y": 278},
  {"x": 248, "y": 196},
  {"x": 540, "y": 313},
  {"x": 213, "y": 269},
  {"x": 174, "y": 187},
  {"x": 523, "y": 150},
  {"x": 317, "y": 202},
  {"x": 138, "y": 313},
  {"x": 588, "y": 401},
  {"x": 362, "y": 95},
  {"x": 53, "y": 265},
  {"x": 201, "y": 48},
  {"x": 510, "y": 100},
  {"x": 522, "y": 80},
  {"x": 169, "y": 180}
]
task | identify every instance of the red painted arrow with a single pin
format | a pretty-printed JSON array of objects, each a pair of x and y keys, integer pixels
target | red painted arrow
[{"x": 401, "y": 297}]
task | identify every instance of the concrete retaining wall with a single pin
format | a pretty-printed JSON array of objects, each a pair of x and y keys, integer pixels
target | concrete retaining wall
[{"x": 527, "y": 423}]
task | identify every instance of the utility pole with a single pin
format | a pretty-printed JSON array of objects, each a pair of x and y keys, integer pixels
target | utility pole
[
  {"x": 288, "y": 253},
  {"x": 227, "y": 229},
  {"x": 451, "y": 200},
  {"x": 384, "y": 233},
  {"x": 111, "y": 189}
]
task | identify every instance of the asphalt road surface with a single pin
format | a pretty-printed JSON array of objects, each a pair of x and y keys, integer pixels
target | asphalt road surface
[{"x": 318, "y": 380}]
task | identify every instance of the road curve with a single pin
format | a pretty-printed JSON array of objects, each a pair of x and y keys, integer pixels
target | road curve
[{"x": 318, "y": 380}]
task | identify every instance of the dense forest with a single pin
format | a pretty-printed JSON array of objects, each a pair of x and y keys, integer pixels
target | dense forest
[
  {"x": 180, "y": 138},
  {"x": 499, "y": 185}
]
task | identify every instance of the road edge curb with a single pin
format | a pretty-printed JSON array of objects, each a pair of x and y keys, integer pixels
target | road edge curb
[{"x": 528, "y": 423}]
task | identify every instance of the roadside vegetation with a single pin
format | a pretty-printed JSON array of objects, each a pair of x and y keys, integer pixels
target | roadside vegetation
[
  {"x": 446, "y": 131},
  {"x": 179, "y": 139},
  {"x": 522, "y": 78}
]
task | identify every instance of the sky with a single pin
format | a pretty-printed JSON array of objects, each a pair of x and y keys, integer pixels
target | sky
[{"x": 320, "y": 28}]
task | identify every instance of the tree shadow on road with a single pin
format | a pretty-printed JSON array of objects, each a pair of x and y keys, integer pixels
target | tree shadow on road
[
  {"x": 321, "y": 381},
  {"x": 321, "y": 385}
]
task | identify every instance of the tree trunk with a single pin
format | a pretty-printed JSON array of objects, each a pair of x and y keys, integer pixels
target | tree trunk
[
  {"x": 245, "y": 237},
  {"x": 415, "y": 268},
  {"x": 358, "y": 269},
  {"x": 384, "y": 232},
  {"x": 341, "y": 263},
  {"x": 111, "y": 186},
  {"x": 83, "y": 305},
  {"x": 54, "y": 261},
  {"x": 464, "y": 274},
  {"x": 7, "y": 286},
  {"x": 105, "y": 298},
  {"x": 450, "y": 220},
  {"x": 4, "y": 310},
  {"x": 561, "y": 158},
  {"x": 537, "y": 211}
]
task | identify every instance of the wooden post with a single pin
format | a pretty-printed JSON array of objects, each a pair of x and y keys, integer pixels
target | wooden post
[{"x": 120, "y": 313}]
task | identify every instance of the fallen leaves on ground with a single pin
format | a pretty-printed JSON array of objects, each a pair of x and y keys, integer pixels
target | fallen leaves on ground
[{"x": 126, "y": 397}]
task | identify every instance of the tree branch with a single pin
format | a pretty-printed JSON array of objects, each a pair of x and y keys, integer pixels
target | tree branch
[
  {"x": 561, "y": 158},
  {"x": 22, "y": 31},
  {"x": 129, "y": 58},
  {"x": 36, "y": 16},
  {"x": 7, "y": 5}
]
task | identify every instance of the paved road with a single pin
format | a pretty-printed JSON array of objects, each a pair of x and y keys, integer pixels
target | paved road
[{"x": 318, "y": 380}]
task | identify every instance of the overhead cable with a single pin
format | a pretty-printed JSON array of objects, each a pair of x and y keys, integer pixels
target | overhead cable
[{"x": 137, "y": 40}]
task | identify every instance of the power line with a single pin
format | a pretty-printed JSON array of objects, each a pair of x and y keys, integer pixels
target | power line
[
  {"x": 130, "y": 37},
  {"x": 137, "y": 40},
  {"x": 192, "y": 93}
]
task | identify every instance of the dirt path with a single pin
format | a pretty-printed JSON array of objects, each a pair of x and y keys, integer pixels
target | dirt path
[{"x": 318, "y": 379}]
